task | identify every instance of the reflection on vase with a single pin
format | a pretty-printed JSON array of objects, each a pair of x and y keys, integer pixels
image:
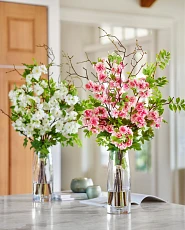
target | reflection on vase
[
  {"x": 118, "y": 183},
  {"x": 42, "y": 178}
]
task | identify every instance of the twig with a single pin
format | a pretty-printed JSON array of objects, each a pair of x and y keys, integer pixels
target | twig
[
  {"x": 88, "y": 60},
  {"x": 50, "y": 53},
  {"x": 6, "y": 114},
  {"x": 14, "y": 70},
  {"x": 142, "y": 53},
  {"x": 112, "y": 41},
  {"x": 51, "y": 57}
]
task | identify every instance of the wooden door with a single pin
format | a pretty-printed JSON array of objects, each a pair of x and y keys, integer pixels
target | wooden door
[{"x": 22, "y": 28}]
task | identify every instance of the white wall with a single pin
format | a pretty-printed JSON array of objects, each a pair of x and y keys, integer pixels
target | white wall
[{"x": 168, "y": 8}]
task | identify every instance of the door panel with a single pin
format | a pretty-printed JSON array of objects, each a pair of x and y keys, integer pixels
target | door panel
[
  {"x": 20, "y": 158},
  {"x": 22, "y": 28},
  {"x": 14, "y": 158}
]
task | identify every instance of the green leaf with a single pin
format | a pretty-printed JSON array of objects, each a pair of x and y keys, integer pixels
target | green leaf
[
  {"x": 179, "y": 107},
  {"x": 171, "y": 107},
  {"x": 25, "y": 142},
  {"x": 174, "y": 107},
  {"x": 177, "y": 100}
]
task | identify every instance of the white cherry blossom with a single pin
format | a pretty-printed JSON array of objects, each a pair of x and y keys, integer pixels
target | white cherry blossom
[
  {"x": 37, "y": 70},
  {"x": 71, "y": 100},
  {"x": 43, "y": 69},
  {"x": 38, "y": 89}
]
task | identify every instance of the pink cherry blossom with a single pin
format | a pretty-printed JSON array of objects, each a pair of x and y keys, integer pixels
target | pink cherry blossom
[
  {"x": 97, "y": 96},
  {"x": 114, "y": 68},
  {"x": 102, "y": 77},
  {"x": 126, "y": 106},
  {"x": 133, "y": 83},
  {"x": 102, "y": 127},
  {"x": 86, "y": 122},
  {"x": 89, "y": 85},
  {"x": 152, "y": 115},
  {"x": 129, "y": 131},
  {"x": 123, "y": 129},
  {"x": 140, "y": 106},
  {"x": 145, "y": 94},
  {"x": 88, "y": 113},
  {"x": 140, "y": 119},
  {"x": 118, "y": 135},
  {"x": 96, "y": 88},
  {"x": 157, "y": 126},
  {"x": 123, "y": 114},
  {"x": 121, "y": 66},
  {"x": 143, "y": 112},
  {"x": 132, "y": 101},
  {"x": 99, "y": 67},
  {"x": 115, "y": 113},
  {"x": 111, "y": 84},
  {"x": 118, "y": 80},
  {"x": 102, "y": 87},
  {"x": 122, "y": 146},
  {"x": 142, "y": 124},
  {"x": 133, "y": 118},
  {"x": 125, "y": 86},
  {"x": 94, "y": 121},
  {"x": 129, "y": 143},
  {"x": 109, "y": 128},
  {"x": 94, "y": 130},
  {"x": 102, "y": 112},
  {"x": 142, "y": 85}
]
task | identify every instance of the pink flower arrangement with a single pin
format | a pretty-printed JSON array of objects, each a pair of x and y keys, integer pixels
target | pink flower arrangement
[
  {"x": 111, "y": 90},
  {"x": 124, "y": 108}
]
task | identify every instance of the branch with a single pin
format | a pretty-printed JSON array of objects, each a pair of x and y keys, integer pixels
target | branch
[
  {"x": 142, "y": 53},
  {"x": 49, "y": 51},
  {"x": 14, "y": 69},
  {"x": 51, "y": 57},
  {"x": 5, "y": 114},
  {"x": 69, "y": 59},
  {"x": 88, "y": 60},
  {"x": 18, "y": 130},
  {"x": 113, "y": 42}
]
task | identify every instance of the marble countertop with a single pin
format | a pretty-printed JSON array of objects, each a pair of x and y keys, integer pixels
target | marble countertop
[{"x": 18, "y": 213}]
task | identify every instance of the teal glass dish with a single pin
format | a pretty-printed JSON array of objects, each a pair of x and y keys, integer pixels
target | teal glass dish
[
  {"x": 93, "y": 191},
  {"x": 80, "y": 184}
]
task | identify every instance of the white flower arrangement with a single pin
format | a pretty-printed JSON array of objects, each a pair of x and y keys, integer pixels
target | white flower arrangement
[{"x": 44, "y": 111}]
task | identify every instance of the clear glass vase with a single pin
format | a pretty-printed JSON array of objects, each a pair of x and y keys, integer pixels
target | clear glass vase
[
  {"x": 42, "y": 177},
  {"x": 118, "y": 183}
]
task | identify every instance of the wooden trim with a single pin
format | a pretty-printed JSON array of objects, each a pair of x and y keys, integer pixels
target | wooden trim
[
  {"x": 33, "y": 34},
  {"x": 146, "y": 3}
]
